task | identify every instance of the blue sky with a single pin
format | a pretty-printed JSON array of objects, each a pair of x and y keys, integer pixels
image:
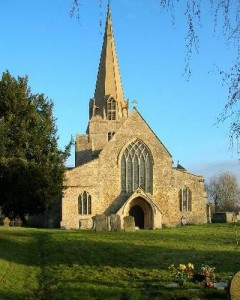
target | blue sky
[{"x": 61, "y": 55}]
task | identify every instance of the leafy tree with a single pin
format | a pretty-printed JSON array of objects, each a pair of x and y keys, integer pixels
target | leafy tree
[
  {"x": 225, "y": 15},
  {"x": 224, "y": 192},
  {"x": 3, "y": 138},
  {"x": 31, "y": 165}
]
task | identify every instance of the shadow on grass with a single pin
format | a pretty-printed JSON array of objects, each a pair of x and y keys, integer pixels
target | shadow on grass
[
  {"x": 90, "y": 265},
  {"x": 87, "y": 288},
  {"x": 55, "y": 247},
  {"x": 16, "y": 296}
]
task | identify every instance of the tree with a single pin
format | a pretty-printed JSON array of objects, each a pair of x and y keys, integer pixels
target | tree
[
  {"x": 226, "y": 21},
  {"x": 224, "y": 192},
  {"x": 31, "y": 165}
]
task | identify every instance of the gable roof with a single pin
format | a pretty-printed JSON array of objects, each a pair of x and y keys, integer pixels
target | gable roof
[{"x": 137, "y": 112}]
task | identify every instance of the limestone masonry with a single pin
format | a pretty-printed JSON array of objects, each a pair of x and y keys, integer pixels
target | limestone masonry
[{"x": 122, "y": 168}]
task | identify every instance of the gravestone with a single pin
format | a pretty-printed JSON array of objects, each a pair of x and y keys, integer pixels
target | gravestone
[
  {"x": 129, "y": 224},
  {"x": 235, "y": 287},
  {"x": 115, "y": 223},
  {"x": 2, "y": 216},
  {"x": 17, "y": 221},
  {"x": 6, "y": 222},
  {"x": 101, "y": 223}
]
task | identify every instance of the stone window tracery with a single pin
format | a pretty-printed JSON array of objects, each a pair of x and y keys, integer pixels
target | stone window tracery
[
  {"x": 111, "y": 109},
  {"x": 185, "y": 199},
  {"x": 84, "y": 204},
  {"x": 136, "y": 168}
]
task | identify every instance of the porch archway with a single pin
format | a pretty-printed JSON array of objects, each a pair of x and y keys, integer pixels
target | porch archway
[
  {"x": 142, "y": 212},
  {"x": 138, "y": 214}
]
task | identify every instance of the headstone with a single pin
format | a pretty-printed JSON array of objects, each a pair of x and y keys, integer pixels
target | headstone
[
  {"x": 50, "y": 222},
  {"x": 2, "y": 216},
  {"x": 101, "y": 223},
  {"x": 6, "y": 222},
  {"x": 115, "y": 223},
  {"x": 235, "y": 287},
  {"x": 18, "y": 221},
  {"x": 129, "y": 224}
]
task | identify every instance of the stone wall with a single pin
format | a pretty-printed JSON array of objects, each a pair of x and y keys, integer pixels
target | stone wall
[{"x": 101, "y": 178}]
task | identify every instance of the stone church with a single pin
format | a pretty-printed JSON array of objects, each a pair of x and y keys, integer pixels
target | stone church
[{"x": 121, "y": 166}]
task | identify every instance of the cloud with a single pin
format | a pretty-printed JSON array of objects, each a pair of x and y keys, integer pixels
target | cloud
[{"x": 210, "y": 169}]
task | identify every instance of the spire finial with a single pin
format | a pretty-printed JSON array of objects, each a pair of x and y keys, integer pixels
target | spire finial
[{"x": 108, "y": 6}]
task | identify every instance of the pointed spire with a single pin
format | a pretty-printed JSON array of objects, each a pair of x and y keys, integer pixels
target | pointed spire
[{"x": 109, "y": 83}]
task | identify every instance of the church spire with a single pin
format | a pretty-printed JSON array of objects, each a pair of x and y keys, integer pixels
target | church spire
[{"x": 108, "y": 102}]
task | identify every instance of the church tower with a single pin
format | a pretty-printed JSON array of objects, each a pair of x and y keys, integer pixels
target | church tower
[{"x": 108, "y": 109}]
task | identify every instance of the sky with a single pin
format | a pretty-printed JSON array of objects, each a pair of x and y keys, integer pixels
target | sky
[{"x": 60, "y": 56}]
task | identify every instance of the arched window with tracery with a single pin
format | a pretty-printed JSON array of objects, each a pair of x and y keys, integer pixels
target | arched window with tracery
[
  {"x": 185, "y": 199},
  {"x": 136, "y": 168},
  {"x": 111, "y": 109},
  {"x": 84, "y": 204}
]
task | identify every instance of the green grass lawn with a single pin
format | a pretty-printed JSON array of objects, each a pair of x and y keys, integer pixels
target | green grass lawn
[{"x": 57, "y": 264}]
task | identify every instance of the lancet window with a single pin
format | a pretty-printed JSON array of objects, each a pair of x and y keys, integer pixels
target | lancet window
[
  {"x": 185, "y": 199},
  {"x": 110, "y": 135},
  {"x": 136, "y": 168},
  {"x": 111, "y": 109},
  {"x": 84, "y": 204}
]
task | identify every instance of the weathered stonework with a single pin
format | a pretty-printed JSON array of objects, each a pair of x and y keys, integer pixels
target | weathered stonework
[
  {"x": 97, "y": 185},
  {"x": 115, "y": 223},
  {"x": 235, "y": 287},
  {"x": 129, "y": 223}
]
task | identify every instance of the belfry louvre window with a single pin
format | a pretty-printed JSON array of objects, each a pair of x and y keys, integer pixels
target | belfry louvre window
[
  {"x": 185, "y": 199},
  {"x": 84, "y": 204},
  {"x": 111, "y": 109},
  {"x": 136, "y": 168}
]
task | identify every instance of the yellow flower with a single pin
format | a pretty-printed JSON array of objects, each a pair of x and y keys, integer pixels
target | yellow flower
[
  {"x": 190, "y": 266},
  {"x": 182, "y": 267}
]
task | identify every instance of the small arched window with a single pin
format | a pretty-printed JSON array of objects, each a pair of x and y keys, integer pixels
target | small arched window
[
  {"x": 84, "y": 204},
  {"x": 185, "y": 199},
  {"x": 111, "y": 109},
  {"x": 136, "y": 168},
  {"x": 110, "y": 135}
]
